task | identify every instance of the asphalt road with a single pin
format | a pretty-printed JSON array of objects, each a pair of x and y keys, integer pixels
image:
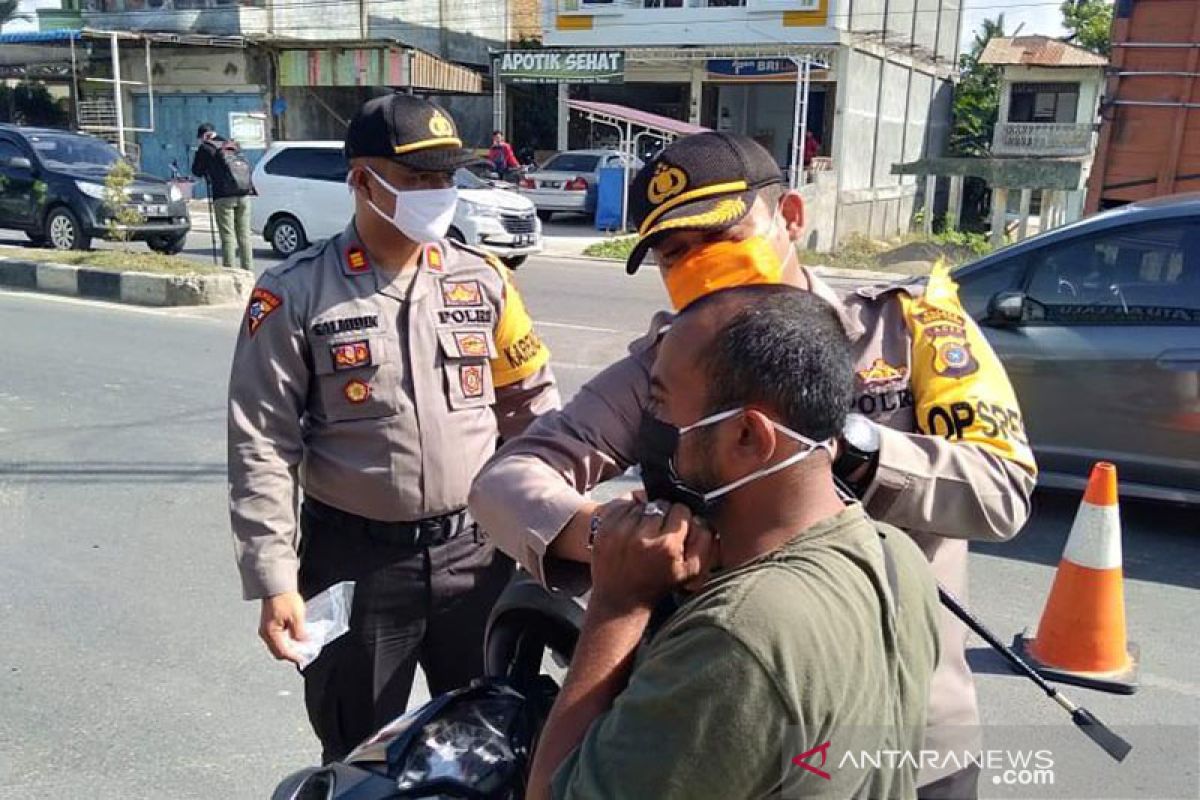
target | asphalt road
[{"x": 129, "y": 667}]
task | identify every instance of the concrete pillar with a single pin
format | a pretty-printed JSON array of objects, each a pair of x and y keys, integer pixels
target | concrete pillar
[
  {"x": 954, "y": 212},
  {"x": 564, "y": 116},
  {"x": 1047, "y": 205},
  {"x": 930, "y": 191},
  {"x": 1023, "y": 224},
  {"x": 999, "y": 206},
  {"x": 695, "y": 94}
]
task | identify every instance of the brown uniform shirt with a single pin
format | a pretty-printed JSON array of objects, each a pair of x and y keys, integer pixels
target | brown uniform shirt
[
  {"x": 953, "y": 462},
  {"x": 381, "y": 397}
]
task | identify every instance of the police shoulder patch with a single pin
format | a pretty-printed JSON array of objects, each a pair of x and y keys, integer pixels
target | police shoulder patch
[{"x": 262, "y": 304}]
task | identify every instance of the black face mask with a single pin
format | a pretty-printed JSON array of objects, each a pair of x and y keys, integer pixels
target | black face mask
[{"x": 657, "y": 443}]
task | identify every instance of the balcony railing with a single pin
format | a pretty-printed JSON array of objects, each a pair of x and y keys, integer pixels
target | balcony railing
[{"x": 1042, "y": 139}]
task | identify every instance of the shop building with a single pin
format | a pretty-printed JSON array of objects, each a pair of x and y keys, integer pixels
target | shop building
[{"x": 871, "y": 79}]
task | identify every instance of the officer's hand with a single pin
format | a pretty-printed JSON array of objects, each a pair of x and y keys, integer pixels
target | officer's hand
[
  {"x": 282, "y": 617},
  {"x": 638, "y": 558}
]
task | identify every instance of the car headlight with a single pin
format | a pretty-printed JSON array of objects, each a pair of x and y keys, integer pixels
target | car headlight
[
  {"x": 175, "y": 194},
  {"x": 95, "y": 190},
  {"x": 466, "y": 746},
  {"x": 480, "y": 210}
]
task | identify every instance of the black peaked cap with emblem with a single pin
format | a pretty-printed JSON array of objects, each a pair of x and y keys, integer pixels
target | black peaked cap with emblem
[
  {"x": 706, "y": 181},
  {"x": 414, "y": 132}
]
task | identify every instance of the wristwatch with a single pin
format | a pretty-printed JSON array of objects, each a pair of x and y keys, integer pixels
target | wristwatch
[{"x": 858, "y": 455}]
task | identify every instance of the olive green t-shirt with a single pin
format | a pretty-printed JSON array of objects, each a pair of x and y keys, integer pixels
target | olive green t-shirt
[{"x": 803, "y": 646}]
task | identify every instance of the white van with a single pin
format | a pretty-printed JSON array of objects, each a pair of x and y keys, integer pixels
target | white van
[{"x": 301, "y": 197}]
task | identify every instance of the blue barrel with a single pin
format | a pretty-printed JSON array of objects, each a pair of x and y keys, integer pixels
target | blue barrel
[{"x": 608, "y": 198}]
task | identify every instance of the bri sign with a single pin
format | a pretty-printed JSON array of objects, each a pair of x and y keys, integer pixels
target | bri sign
[{"x": 750, "y": 69}]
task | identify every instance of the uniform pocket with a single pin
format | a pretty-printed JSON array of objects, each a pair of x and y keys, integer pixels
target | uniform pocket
[
  {"x": 356, "y": 377},
  {"x": 465, "y": 356}
]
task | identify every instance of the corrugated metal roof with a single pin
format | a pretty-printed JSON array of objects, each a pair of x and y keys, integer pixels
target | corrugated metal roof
[
  {"x": 375, "y": 65},
  {"x": 643, "y": 118},
  {"x": 431, "y": 72},
  {"x": 40, "y": 37},
  {"x": 1038, "y": 51}
]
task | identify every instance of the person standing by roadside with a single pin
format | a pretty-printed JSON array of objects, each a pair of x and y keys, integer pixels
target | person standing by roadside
[
  {"x": 375, "y": 372},
  {"x": 220, "y": 162}
]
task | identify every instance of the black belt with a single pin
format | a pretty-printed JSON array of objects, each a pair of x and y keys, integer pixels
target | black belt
[{"x": 421, "y": 533}]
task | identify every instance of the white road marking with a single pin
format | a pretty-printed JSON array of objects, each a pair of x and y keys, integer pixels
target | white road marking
[
  {"x": 171, "y": 313},
  {"x": 571, "y": 326}
]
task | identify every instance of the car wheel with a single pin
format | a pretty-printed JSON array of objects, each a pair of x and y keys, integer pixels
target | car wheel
[
  {"x": 512, "y": 262},
  {"x": 167, "y": 245},
  {"x": 287, "y": 236},
  {"x": 454, "y": 234},
  {"x": 64, "y": 232},
  {"x": 545, "y": 216}
]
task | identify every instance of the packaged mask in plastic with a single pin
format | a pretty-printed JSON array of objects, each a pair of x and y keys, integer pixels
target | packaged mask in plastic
[{"x": 326, "y": 617}]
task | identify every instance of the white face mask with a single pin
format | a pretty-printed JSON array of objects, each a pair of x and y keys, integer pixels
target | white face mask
[
  {"x": 422, "y": 215},
  {"x": 795, "y": 458}
]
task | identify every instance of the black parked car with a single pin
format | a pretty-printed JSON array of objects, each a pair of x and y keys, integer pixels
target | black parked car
[{"x": 52, "y": 188}]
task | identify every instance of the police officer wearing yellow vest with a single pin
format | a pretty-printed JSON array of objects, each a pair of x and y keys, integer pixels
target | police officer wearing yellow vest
[
  {"x": 374, "y": 372},
  {"x": 936, "y": 445}
]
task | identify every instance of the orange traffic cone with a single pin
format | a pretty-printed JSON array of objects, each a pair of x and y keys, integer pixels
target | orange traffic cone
[{"x": 1081, "y": 637}]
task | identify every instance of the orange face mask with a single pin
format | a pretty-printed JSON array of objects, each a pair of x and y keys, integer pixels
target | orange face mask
[{"x": 722, "y": 265}]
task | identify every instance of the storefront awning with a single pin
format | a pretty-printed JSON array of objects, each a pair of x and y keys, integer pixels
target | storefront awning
[
  {"x": 619, "y": 115},
  {"x": 380, "y": 65}
]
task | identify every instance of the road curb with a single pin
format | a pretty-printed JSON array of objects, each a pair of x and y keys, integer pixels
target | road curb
[{"x": 133, "y": 288}]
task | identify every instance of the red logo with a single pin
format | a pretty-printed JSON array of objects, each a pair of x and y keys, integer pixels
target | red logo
[
  {"x": 802, "y": 760},
  {"x": 262, "y": 303}
]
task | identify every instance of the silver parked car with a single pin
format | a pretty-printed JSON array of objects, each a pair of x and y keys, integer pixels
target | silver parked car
[
  {"x": 1098, "y": 324},
  {"x": 568, "y": 181}
]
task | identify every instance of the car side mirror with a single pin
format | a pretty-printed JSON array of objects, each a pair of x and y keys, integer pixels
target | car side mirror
[
  {"x": 1006, "y": 308},
  {"x": 20, "y": 162}
]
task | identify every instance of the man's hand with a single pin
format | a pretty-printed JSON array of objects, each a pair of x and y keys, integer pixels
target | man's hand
[
  {"x": 282, "y": 617},
  {"x": 639, "y": 557}
]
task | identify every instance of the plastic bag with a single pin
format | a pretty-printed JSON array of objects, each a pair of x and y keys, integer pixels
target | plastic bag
[{"x": 326, "y": 617}]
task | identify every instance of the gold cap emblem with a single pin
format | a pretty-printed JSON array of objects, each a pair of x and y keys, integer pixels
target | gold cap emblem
[
  {"x": 666, "y": 183},
  {"x": 440, "y": 125}
]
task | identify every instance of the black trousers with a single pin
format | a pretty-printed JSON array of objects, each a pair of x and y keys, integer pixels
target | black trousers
[
  {"x": 961, "y": 785},
  {"x": 425, "y": 605}
]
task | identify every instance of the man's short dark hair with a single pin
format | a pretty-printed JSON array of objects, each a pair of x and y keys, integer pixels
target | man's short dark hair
[
  {"x": 497, "y": 133},
  {"x": 207, "y": 127},
  {"x": 786, "y": 351}
]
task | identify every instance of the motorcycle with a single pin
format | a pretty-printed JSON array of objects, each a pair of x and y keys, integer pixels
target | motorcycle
[{"x": 475, "y": 742}]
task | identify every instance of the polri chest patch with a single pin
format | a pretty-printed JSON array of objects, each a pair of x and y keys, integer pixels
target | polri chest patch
[{"x": 351, "y": 355}]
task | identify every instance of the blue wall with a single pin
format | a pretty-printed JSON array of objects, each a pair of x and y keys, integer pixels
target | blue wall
[{"x": 177, "y": 116}]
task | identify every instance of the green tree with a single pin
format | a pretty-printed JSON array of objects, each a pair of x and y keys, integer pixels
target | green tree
[
  {"x": 122, "y": 215},
  {"x": 29, "y": 103},
  {"x": 1090, "y": 23},
  {"x": 977, "y": 97}
]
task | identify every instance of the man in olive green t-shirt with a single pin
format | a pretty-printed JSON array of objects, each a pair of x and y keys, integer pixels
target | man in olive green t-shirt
[{"x": 817, "y": 626}]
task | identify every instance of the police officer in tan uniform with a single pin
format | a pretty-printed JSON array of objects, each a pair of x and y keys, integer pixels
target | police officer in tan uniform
[
  {"x": 374, "y": 372},
  {"x": 936, "y": 445}
]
